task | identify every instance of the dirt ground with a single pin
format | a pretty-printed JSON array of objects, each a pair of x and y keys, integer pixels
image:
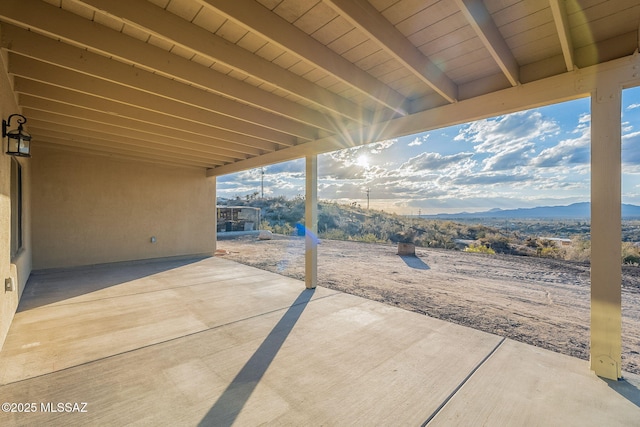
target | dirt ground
[{"x": 538, "y": 301}]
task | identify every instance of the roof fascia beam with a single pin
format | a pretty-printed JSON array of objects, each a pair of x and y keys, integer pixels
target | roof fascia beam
[
  {"x": 559, "y": 12},
  {"x": 260, "y": 20},
  {"x": 364, "y": 16},
  {"x": 564, "y": 87},
  {"x": 480, "y": 20},
  {"x": 148, "y": 17}
]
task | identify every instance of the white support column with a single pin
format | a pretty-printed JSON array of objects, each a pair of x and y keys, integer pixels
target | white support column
[
  {"x": 311, "y": 223},
  {"x": 606, "y": 232},
  {"x": 214, "y": 187}
]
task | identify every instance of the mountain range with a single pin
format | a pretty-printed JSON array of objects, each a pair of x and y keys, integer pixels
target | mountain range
[{"x": 574, "y": 211}]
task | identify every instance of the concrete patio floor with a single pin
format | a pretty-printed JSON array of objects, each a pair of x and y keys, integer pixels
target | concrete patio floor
[{"x": 211, "y": 342}]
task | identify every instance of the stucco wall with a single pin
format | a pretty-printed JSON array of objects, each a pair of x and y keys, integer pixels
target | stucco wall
[
  {"x": 17, "y": 267},
  {"x": 90, "y": 209}
]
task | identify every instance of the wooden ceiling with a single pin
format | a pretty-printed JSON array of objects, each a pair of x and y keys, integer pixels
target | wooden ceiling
[{"x": 227, "y": 85}]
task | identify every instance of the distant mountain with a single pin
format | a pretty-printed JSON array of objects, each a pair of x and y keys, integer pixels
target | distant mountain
[{"x": 573, "y": 211}]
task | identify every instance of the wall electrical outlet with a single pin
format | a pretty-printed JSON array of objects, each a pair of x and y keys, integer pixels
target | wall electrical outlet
[{"x": 8, "y": 284}]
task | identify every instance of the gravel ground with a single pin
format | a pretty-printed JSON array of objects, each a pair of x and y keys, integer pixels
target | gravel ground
[{"x": 538, "y": 301}]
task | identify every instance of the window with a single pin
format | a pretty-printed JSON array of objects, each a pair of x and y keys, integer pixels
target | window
[{"x": 16, "y": 207}]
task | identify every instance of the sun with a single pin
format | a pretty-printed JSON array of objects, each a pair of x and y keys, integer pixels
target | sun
[{"x": 363, "y": 160}]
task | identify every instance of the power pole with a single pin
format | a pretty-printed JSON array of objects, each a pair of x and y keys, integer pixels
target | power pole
[
  {"x": 368, "y": 193},
  {"x": 262, "y": 183}
]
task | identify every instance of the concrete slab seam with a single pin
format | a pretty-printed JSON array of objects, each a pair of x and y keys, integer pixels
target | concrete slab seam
[{"x": 464, "y": 381}]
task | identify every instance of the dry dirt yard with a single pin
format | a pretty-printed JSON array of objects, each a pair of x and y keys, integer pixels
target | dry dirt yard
[{"x": 538, "y": 301}]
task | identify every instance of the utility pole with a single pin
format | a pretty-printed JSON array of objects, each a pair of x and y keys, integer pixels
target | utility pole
[
  {"x": 262, "y": 183},
  {"x": 368, "y": 193}
]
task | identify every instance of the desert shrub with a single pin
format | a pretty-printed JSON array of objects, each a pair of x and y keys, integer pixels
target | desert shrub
[
  {"x": 630, "y": 254},
  {"x": 480, "y": 249},
  {"x": 285, "y": 229},
  {"x": 550, "y": 252},
  {"x": 367, "y": 238},
  {"x": 580, "y": 250},
  {"x": 334, "y": 234}
]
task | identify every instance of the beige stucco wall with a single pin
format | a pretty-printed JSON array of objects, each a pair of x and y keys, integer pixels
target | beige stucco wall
[
  {"x": 18, "y": 266},
  {"x": 90, "y": 209}
]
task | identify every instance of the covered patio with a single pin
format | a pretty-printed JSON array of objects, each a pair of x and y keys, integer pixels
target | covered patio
[
  {"x": 207, "y": 341},
  {"x": 134, "y": 109}
]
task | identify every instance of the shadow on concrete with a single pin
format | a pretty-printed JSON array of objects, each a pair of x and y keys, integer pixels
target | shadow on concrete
[
  {"x": 46, "y": 287},
  {"x": 414, "y": 262},
  {"x": 629, "y": 389},
  {"x": 228, "y": 406}
]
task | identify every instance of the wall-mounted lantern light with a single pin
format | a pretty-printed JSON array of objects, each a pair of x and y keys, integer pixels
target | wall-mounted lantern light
[{"x": 18, "y": 141}]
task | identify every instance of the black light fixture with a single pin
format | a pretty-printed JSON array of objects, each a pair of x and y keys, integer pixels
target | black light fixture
[{"x": 18, "y": 141}]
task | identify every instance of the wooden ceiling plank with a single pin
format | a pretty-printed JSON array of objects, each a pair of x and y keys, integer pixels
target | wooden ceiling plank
[
  {"x": 274, "y": 28},
  {"x": 157, "y": 21},
  {"x": 58, "y": 23},
  {"x": 480, "y": 20},
  {"x": 364, "y": 16}
]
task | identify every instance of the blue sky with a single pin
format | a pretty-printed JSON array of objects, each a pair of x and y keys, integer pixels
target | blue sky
[{"x": 538, "y": 157}]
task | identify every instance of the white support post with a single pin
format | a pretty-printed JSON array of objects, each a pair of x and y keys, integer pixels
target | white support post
[
  {"x": 311, "y": 222},
  {"x": 606, "y": 232},
  {"x": 214, "y": 186}
]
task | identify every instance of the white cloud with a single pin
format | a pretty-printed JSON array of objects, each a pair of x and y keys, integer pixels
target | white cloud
[
  {"x": 498, "y": 134},
  {"x": 419, "y": 140},
  {"x": 569, "y": 152},
  {"x": 434, "y": 161}
]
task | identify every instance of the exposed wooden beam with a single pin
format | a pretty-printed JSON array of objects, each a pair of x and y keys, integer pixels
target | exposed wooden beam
[
  {"x": 167, "y": 26},
  {"x": 111, "y": 154},
  {"x": 83, "y": 128},
  {"x": 480, "y": 20},
  {"x": 364, "y": 16},
  {"x": 114, "y": 148},
  {"x": 44, "y": 49},
  {"x": 54, "y": 110},
  {"x": 51, "y": 74},
  {"x": 59, "y": 23},
  {"x": 46, "y": 91},
  {"x": 559, "y": 11},
  {"x": 261, "y": 20}
]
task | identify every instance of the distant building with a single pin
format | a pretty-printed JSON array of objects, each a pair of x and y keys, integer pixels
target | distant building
[{"x": 237, "y": 218}]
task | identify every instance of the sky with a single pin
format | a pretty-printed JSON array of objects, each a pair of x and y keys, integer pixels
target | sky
[{"x": 538, "y": 157}]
